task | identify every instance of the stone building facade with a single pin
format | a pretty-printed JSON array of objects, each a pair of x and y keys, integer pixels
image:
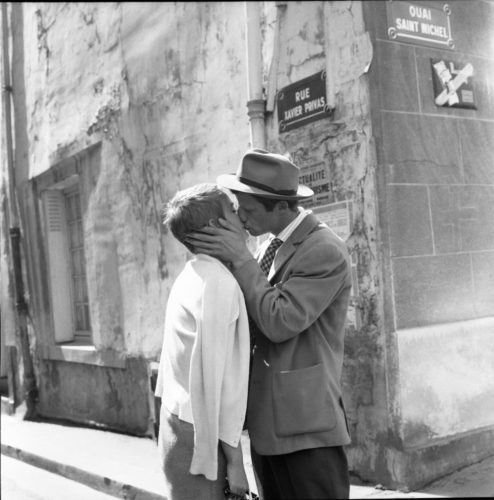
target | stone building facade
[{"x": 118, "y": 105}]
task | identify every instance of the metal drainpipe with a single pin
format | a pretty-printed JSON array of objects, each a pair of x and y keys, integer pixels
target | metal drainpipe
[
  {"x": 330, "y": 44},
  {"x": 256, "y": 105},
  {"x": 29, "y": 382}
]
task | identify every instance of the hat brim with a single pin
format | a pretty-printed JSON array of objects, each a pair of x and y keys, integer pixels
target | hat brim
[{"x": 230, "y": 181}]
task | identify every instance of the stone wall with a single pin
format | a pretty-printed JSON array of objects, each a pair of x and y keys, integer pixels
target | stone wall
[
  {"x": 435, "y": 177},
  {"x": 316, "y": 36}
]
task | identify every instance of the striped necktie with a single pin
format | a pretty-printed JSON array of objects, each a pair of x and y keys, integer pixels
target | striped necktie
[{"x": 268, "y": 257}]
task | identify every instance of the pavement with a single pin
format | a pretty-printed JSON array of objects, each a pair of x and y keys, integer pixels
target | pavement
[{"x": 127, "y": 467}]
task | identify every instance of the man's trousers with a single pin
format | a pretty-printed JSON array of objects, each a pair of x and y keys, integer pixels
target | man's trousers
[{"x": 315, "y": 473}]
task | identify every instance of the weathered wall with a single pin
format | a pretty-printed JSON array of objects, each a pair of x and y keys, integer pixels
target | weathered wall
[
  {"x": 435, "y": 178},
  {"x": 104, "y": 395},
  {"x": 185, "y": 123},
  {"x": 341, "y": 149},
  {"x": 10, "y": 355},
  {"x": 159, "y": 91},
  {"x": 163, "y": 87}
]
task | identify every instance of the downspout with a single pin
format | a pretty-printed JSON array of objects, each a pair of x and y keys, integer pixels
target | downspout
[
  {"x": 29, "y": 382},
  {"x": 273, "y": 69},
  {"x": 330, "y": 44},
  {"x": 256, "y": 105}
]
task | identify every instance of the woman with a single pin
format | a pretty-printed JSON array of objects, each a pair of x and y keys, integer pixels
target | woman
[{"x": 203, "y": 374}]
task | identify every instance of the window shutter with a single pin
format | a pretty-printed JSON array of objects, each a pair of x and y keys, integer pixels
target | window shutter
[{"x": 59, "y": 270}]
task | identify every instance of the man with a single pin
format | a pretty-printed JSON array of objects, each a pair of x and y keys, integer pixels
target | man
[
  {"x": 295, "y": 414},
  {"x": 204, "y": 365}
]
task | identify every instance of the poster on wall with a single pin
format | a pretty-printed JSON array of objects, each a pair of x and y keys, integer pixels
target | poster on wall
[
  {"x": 315, "y": 175},
  {"x": 302, "y": 102},
  {"x": 453, "y": 84},
  {"x": 339, "y": 217},
  {"x": 419, "y": 24}
]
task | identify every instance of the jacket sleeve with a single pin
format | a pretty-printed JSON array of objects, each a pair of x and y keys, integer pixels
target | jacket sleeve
[{"x": 315, "y": 274}]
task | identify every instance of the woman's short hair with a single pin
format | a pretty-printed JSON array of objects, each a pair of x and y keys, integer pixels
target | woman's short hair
[{"x": 193, "y": 208}]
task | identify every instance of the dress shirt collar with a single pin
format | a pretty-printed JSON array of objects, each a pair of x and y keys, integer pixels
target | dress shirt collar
[{"x": 285, "y": 233}]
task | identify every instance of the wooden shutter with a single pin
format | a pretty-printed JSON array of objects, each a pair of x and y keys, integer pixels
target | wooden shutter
[{"x": 59, "y": 271}]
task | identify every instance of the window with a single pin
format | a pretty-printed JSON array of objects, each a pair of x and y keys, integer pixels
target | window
[
  {"x": 66, "y": 262},
  {"x": 77, "y": 264}
]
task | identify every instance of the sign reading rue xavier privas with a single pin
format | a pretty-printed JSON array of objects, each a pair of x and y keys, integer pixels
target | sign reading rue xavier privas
[
  {"x": 302, "y": 102},
  {"x": 419, "y": 24}
]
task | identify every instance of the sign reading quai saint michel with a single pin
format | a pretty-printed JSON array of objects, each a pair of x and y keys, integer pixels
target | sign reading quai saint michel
[
  {"x": 302, "y": 102},
  {"x": 422, "y": 24}
]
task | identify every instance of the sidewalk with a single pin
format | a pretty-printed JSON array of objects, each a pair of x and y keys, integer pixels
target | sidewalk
[{"x": 127, "y": 467}]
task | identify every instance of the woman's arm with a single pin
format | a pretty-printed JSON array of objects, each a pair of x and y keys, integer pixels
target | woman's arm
[{"x": 235, "y": 470}]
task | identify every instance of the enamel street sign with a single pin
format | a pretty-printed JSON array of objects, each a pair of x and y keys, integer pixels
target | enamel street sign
[
  {"x": 419, "y": 24},
  {"x": 302, "y": 102}
]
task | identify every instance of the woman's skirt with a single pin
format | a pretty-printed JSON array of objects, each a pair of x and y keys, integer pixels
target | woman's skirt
[{"x": 176, "y": 444}]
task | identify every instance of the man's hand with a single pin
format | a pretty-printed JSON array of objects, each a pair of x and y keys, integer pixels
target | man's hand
[{"x": 226, "y": 243}]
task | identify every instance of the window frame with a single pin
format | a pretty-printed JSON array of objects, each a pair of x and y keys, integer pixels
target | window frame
[
  {"x": 78, "y": 165},
  {"x": 81, "y": 336},
  {"x": 59, "y": 260}
]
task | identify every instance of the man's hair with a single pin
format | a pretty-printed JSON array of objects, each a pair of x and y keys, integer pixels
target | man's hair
[
  {"x": 193, "y": 208},
  {"x": 269, "y": 203}
]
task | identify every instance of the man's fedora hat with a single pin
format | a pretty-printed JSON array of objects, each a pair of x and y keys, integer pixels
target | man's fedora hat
[{"x": 265, "y": 174}]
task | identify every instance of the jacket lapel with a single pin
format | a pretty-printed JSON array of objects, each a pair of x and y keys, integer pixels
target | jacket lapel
[{"x": 287, "y": 249}]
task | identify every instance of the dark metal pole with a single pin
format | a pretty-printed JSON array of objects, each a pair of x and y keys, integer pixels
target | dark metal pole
[{"x": 29, "y": 380}]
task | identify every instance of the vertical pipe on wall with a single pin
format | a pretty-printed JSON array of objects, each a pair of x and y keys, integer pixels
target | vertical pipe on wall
[
  {"x": 273, "y": 70},
  {"x": 31, "y": 391},
  {"x": 330, "y": 52},
  {"x": 256, "y": 105},
  {"x": 7, "y": 125}
]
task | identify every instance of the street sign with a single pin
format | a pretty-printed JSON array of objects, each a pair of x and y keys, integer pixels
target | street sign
[
  {"x": 419, "y": 24},
  {"x": 302, "y": 102}
]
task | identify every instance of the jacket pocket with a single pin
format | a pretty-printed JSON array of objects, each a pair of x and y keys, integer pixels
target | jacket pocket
[{"x": 302, "y": 402}]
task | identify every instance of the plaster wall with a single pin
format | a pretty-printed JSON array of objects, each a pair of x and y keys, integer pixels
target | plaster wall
[
  {"x": 316, "y": 36},
  {"x": 108, "y": 397},
  {"x": 161, "y": 88},
  {"x": 139, "y": 100},
  {"x": 157, "y": 92},
  {"x": 9, "y": 355}
]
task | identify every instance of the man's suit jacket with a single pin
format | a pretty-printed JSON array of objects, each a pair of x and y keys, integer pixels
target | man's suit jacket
[{"x": 294, "y": 392}]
